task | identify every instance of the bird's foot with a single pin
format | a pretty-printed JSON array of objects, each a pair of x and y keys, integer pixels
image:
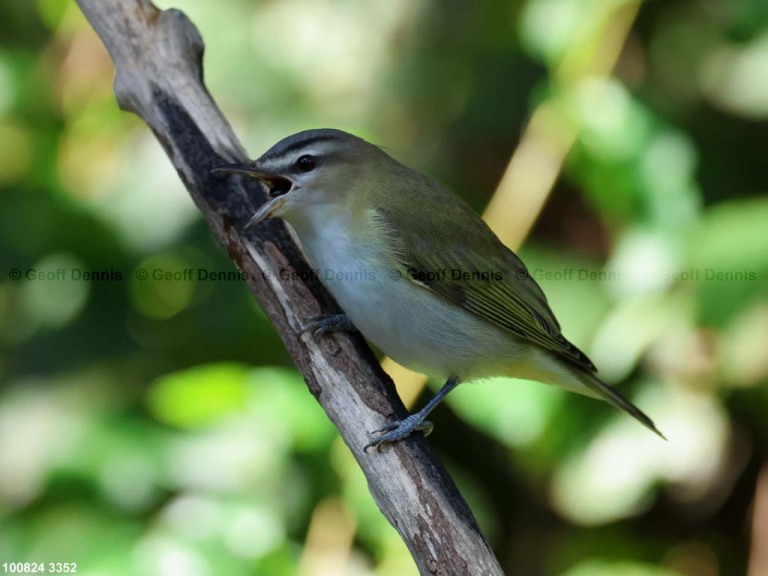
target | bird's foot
[
  {"x": 399, "y": 430},
  {"x": 327, "y": 323}
]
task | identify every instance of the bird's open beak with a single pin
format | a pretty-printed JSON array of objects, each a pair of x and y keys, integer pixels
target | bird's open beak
[{"x": 277, "y": 185}]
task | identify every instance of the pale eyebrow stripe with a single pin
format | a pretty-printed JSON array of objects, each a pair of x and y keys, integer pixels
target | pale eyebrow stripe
[{"x": 298, "y": 145}]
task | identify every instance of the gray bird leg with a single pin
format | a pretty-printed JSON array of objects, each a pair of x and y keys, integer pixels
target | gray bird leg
[
  {"x": 325, "y": 324},
  {"x": 399, "y": 430}
]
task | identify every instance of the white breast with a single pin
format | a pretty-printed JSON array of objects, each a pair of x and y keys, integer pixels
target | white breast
[{"x": 405, "y": 321}]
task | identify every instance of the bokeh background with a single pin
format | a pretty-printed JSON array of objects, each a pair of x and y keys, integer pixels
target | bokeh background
[{"x": 151, "y": 422}]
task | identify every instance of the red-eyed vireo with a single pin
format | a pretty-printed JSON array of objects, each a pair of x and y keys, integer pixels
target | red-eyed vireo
[{"x": 416, "y": 271}]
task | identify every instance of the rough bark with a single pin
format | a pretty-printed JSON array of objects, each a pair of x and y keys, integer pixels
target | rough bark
[{"x": 157, "y": 56}]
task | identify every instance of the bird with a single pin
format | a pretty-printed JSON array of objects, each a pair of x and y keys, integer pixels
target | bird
[{"x": 416, "y": 271}]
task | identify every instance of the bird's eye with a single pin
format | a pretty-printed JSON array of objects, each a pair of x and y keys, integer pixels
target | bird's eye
[{"x": 306, "y": 163}]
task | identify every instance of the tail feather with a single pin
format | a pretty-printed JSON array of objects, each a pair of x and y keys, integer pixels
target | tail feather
[{"x": 613, "y": 397}]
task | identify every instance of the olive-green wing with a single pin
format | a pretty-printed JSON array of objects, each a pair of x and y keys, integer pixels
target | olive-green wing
[{"x": 498, "y": 289}]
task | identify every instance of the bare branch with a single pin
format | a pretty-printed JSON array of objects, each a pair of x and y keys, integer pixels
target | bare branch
[{"x": 157, "y": 56}]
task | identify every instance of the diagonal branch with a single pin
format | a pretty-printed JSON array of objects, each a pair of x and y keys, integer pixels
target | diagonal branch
[{"x": 157, "y": 56}]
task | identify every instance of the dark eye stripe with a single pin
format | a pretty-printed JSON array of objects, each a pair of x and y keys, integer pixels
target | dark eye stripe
[{"x": 299, "y": 145}]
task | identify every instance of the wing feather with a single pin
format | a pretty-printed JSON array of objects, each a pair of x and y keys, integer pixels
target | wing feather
[{"x": 499, "y": 290}]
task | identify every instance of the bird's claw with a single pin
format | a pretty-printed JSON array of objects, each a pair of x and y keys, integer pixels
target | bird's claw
[
  {"x": 399, "y": 430},
  {"x": 326, "y": 324}
]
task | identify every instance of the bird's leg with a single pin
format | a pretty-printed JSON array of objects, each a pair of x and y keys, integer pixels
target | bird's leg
[
  {"x": 327, "y": 323},
  {"x": 399, "y": 430}
]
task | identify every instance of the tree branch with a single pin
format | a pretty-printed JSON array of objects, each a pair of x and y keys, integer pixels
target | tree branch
[{"x": 157, "y": 56}]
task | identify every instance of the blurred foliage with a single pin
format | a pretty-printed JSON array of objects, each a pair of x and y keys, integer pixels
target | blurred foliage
[{"x": 150, "y": 420}]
